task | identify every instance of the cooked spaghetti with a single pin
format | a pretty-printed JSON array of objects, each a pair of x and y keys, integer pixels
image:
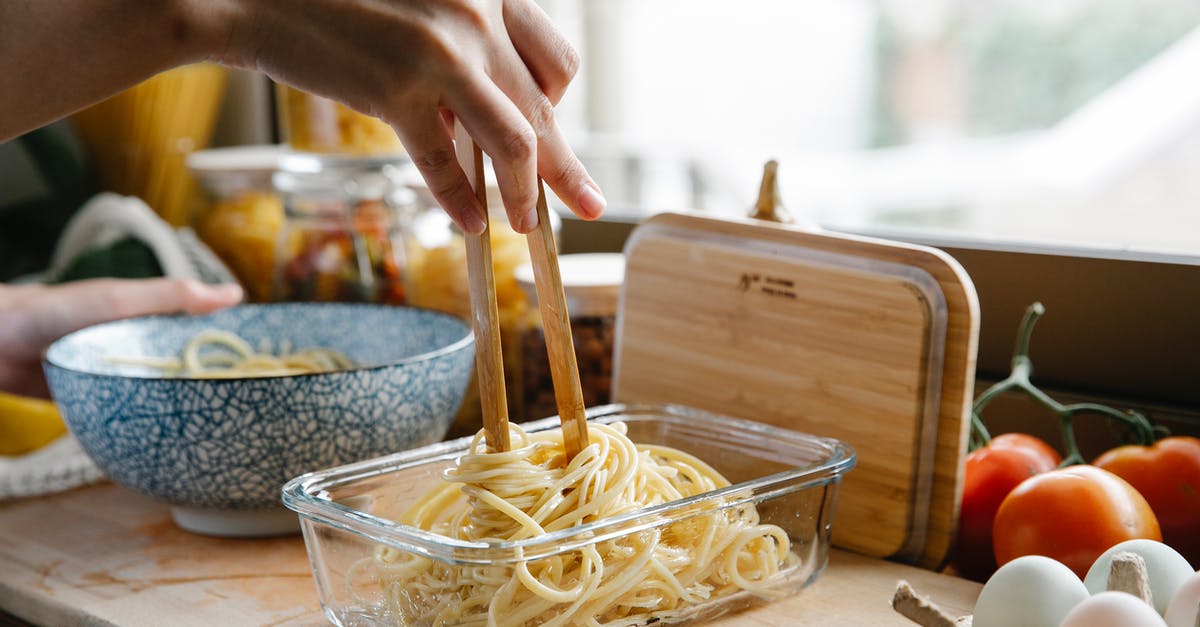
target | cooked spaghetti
[
  {"x": 657, "y": 574},
  {"x": 215, "y": 354}
]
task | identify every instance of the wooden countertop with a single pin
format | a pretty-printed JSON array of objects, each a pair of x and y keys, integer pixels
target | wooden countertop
[{"x": 106, "y": 556}]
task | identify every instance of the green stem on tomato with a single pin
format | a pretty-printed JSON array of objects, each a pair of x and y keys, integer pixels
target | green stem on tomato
[
  {"x": 1025, "y": 334},
  {"x": 1143, "y": 432},
  {"x": 1070, "y": 443},
  {"x": 1022, "y": 369}
]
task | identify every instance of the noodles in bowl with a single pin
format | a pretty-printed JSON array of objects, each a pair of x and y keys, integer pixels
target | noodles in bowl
[
  {"x": 231, "y": 357},
  {"x": 218, "y": 445}
]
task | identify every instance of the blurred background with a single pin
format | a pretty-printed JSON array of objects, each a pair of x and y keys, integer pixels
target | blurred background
[
  {"x": 1073, "y": 122},
  {"x": 1061, "y": 122},
  {"x": 1042, "y": 144}
]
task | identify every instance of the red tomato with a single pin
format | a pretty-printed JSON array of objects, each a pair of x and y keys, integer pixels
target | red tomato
[
  {"x": 1168, "y": 475},
  {"x": 991, "y": 473},
  {"x": 1073, "y": 515},
  {"x": 1028, "y": 443}
]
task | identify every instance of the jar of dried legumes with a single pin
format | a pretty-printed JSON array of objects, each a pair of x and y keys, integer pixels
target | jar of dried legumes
[{"x": 591, "y": 284}]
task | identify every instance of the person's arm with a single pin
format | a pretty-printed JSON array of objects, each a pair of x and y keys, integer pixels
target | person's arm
[
  {"x": 33, "y": 316},
  {"x": 499, "y": 66},
  {"x": 58, "y": 56}
]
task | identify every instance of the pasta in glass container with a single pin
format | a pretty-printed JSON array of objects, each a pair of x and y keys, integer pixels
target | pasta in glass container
[{"x": 671, "y": 515}]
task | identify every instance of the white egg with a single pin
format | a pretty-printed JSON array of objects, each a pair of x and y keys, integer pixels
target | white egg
[
  {"x": 1034, "y": 591},
  {"x": 1165, "y": 568},
  {"x": 1113, "y": 609},
  {"x": 1184, "y": 609}
]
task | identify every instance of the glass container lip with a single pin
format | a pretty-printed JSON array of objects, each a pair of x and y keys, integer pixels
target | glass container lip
[{"x": 305, "y": 494}]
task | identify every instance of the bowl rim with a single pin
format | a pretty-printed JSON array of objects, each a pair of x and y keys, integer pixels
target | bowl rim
[{"x": 468, "y": 339}]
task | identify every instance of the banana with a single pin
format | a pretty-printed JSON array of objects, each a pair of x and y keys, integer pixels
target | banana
[{"x": 27, "y": 424}]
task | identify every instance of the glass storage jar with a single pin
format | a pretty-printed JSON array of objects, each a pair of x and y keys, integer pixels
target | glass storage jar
[
  {"x": 592, "y": 285},
  {"x": 345, "y": 237},
  {"x": 240, "y": 216}
]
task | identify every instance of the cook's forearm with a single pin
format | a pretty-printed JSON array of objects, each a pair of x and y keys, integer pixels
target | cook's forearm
[
  {"x": 498, "y": 65},
  {"x": 58, "y": 56}
]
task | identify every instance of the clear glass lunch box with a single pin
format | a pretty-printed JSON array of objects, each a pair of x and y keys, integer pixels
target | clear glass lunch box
[{"x": 348, "y": 518}]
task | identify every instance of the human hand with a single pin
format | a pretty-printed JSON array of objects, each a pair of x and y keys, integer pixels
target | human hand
[
  {"x": 33, "y": 316},
  {"x": 498, "y": 66}
]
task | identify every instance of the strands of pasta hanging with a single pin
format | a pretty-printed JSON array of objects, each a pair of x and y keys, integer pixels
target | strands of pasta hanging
[
  {"x": 215, "y": 354},
  {"x": 530, "y": 490}
]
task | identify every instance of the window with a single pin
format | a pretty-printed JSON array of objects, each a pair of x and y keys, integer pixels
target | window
[
  {"x": 1068, "y": 122},
  {"x": 1052, "y": 147}
]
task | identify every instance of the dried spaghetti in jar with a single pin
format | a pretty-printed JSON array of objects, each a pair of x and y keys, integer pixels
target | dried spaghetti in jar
[{"x": 346, "y": 233}]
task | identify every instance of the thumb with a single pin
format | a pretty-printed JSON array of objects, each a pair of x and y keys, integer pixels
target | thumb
[{"x": 77, "y": 305}]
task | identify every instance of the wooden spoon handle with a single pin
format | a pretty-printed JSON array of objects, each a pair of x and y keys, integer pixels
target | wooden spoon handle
[{"x": 489, "y": 358}]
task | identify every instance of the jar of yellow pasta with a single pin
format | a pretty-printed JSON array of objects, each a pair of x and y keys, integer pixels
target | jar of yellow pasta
[
  {"x": 311, "y": 123},
  {"x": 346, "y": 235},
  {"x": 241, "y": 216}
]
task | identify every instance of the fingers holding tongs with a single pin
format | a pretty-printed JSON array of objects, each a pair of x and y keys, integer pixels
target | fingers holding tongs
[{"x": 560, "y": 346}]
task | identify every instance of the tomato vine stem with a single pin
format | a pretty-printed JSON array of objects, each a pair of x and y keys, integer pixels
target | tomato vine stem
[{"x": 1141, "y": 431}]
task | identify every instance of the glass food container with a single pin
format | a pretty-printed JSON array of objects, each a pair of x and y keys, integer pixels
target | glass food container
[
  {"x": 591, "y": 283},
  {"x": 346, "y": 232},
  {"x": 348, "y": 513},
  {"x": 311, "y": 123}
]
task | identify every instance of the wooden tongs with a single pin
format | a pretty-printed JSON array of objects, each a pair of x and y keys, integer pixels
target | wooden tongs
[{"x": 489, "y": 357}]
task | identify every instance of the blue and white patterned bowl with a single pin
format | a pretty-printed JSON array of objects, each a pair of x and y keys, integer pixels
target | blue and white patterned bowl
[{"x": 218, "y": 450}]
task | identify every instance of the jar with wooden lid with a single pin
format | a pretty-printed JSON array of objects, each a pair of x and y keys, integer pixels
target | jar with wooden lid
[
  {"x": 346, "y": 231},
  {"x": 592, "y": 285}
]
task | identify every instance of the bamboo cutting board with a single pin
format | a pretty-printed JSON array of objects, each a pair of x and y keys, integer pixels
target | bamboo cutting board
[
  {"x": 103, "y": 556},
  {"x": 863, "y": 340}
]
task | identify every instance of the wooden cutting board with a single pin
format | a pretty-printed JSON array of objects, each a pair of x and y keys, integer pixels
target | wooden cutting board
[
  {"x": 104, "y": 556},
  {"x": 868, "y": 341}
]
